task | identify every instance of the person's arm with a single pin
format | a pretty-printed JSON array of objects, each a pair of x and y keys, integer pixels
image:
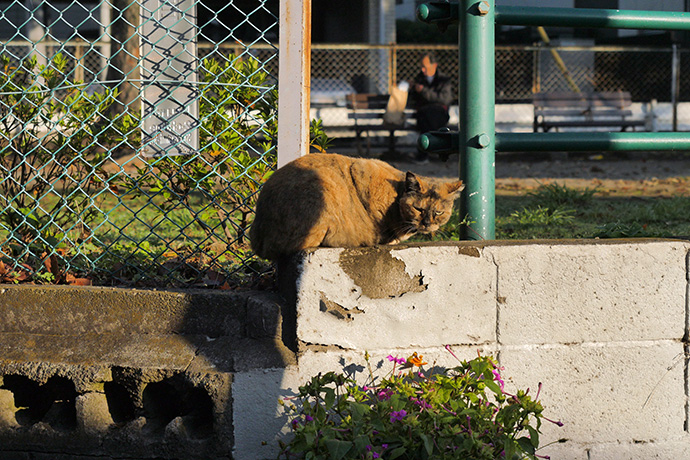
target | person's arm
[{"x": 441, "y": 94}]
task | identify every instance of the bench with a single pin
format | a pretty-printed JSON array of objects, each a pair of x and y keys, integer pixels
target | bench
[
  {"x": 574, "y": 110},
  {"x": 366, "y": 110}
]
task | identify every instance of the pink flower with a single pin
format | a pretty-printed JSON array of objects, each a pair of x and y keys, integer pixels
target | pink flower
[
  {"x": 421, "y": 403},
  {"x": 497, "y": 377},
  {"x": 385, "y": 394},
  {"x": 397, "y": 416},
  {"x": 396, "y": 360}
]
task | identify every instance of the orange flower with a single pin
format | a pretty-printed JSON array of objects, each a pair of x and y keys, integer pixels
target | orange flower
[{"x": 416, "y": 360}]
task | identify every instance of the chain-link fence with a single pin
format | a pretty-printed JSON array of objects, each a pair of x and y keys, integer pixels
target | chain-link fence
[
  {"x": 135, "y": 134},
  {"x": 132, "y": 145},
  {"x": 647, "y": 73}
]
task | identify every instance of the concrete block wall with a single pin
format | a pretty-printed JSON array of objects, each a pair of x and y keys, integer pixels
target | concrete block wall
[
  {"x": 110, "y": 373},
  {"x": 602, "y": 324}
]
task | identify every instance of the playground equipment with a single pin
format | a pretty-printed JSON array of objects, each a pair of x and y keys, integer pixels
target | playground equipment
[{"x": 476, "y": 141}]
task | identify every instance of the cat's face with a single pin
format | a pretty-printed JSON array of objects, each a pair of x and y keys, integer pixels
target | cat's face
[{"x": 426, "y": 206}]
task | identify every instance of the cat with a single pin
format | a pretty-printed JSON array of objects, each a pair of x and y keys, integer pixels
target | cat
[{"x": 325, "y": 199}]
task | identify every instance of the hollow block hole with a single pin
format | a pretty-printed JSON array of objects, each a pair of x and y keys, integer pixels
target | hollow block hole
[
  {"x": 52, "y": 402},
  {"x": 120, "y": 404},
  {"x": 164, "y": 401}
]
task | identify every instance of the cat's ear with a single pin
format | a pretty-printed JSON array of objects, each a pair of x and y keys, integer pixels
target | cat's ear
[
  {"x": 454, "y": 187},
  {"x": 412, "y": 183}
]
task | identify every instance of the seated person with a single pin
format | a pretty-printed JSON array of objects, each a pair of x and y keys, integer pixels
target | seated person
[{"x": 431, "y": 94}]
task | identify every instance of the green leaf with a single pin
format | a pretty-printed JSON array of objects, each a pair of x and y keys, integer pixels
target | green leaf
[
  {"x": 398, "y": 452},
  {"x": 526, "y": 445},
  {"x": 329, "y": 397},
  {"x": 337, "y": 449},
  {"x": 428, "y": 443},
  {"x": 533, "y": 435}
]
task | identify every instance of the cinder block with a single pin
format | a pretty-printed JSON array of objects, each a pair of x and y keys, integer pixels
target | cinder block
[
  {"x": 672, "y": 450},
  {"x": 93, "y": 415},
  {"x": 8, "y": 410},
  {"x": 565, "y": 450},
  {"x": 379, "y": 298},
  {"x": 591, "y": 292},
  {"x": 258, "y": 419},
  {"x": 604, "y": 393},
  {"x": 352, "y": 362}
]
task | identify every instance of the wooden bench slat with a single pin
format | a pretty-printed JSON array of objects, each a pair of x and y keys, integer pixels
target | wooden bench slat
[
  {"x": 606, "y": 108},
  {"x": 368, "y": 107}
]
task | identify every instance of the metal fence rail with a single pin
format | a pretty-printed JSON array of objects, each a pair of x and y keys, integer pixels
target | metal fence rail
[
  {"x": 78, "y": 201},
  {"x": 520, "y": 71}
]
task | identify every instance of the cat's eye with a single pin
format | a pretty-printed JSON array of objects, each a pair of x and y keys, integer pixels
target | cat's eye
[
  {"x": 418, "y": 208},
  {"x": 438, "y": 213}
]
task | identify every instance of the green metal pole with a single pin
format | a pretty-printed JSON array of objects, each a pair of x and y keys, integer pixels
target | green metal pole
[
  {"x": 592, "y": 142},
  {"x": 477, "y": 123},
  {"x": 585, "y": 17}
]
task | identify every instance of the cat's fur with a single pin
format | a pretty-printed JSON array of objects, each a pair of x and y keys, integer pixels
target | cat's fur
[{"x": 338, "y": 201}]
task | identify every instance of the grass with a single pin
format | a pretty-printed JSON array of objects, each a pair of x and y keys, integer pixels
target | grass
[
  {"x": 555, "y": 211},
  {"x": 139, "y": 245}
]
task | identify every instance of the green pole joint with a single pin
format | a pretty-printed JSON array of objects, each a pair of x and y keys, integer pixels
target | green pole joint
[{"x": 432, "y": 12}]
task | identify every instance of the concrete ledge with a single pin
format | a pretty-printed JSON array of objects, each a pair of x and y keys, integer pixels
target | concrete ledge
[{"x": 99, "y": 372}]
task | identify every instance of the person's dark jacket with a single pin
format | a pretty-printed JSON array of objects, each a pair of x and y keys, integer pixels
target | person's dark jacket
[{"x": 439, "y": 91}]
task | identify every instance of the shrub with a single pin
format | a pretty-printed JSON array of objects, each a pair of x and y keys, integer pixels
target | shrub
[
  {"x": 413, "y": 414},
  {"x": 53, "y": 136}
]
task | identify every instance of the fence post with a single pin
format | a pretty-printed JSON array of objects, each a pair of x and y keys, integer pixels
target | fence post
[
  {"x": 294, "y": 61},
  {"x": 675, "y": 85},
  {"x": 477, "y": 121}
]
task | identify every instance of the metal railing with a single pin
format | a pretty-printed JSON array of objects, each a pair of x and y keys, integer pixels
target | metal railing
[{"x": 476, "y": 140}]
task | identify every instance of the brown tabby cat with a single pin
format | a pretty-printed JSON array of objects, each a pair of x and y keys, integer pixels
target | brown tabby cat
[{"x": 338, "y": 201}]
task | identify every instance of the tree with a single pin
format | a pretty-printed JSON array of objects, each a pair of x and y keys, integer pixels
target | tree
[{"x": 123, "y": 69}]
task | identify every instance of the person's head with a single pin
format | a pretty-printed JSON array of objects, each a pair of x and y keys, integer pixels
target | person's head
[{"x": 429, "y": 65}]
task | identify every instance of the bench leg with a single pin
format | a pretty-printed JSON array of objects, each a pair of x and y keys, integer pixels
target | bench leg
[
  {"x": 358, "y": 141},
  {"x": 391, "y": 143}
]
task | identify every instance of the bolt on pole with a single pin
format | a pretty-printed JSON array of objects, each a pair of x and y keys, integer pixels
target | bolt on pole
[{"x": 477, "y": 122}]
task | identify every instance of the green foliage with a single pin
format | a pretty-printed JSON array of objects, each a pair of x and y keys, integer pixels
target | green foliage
[
  {"x": 554, "y": 196},
  {"x": 238, "y": 112},
  {"x": 414, "y": 414},
  {"x": 238, "y": 109},
  {"x": 621, "y": 230},
  {"x": 318, "y": 138},
  {"x": 52, "y": 141},
  {"x": 543, "y": 216}
]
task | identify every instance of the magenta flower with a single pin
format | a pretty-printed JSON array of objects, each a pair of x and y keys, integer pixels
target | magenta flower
[
  {"x": 421, "y": 403},
  {"x": 385, "y": 394},
  {"x": 396, "y": 360},
  {"x": 497, "y": 377},
  {"x": 397, "y": 416}
]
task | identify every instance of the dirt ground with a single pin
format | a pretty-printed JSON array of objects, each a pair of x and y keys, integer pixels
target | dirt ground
[
  {"x": 633, "y": 176},
  {"x": 636, "y": 175}
]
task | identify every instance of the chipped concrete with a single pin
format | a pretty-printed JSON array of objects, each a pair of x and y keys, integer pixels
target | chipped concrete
[
  {"x": 378, "y": 274},
  {"x": 444, "y": 310},
  {"x": 95, "y": 372}
]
